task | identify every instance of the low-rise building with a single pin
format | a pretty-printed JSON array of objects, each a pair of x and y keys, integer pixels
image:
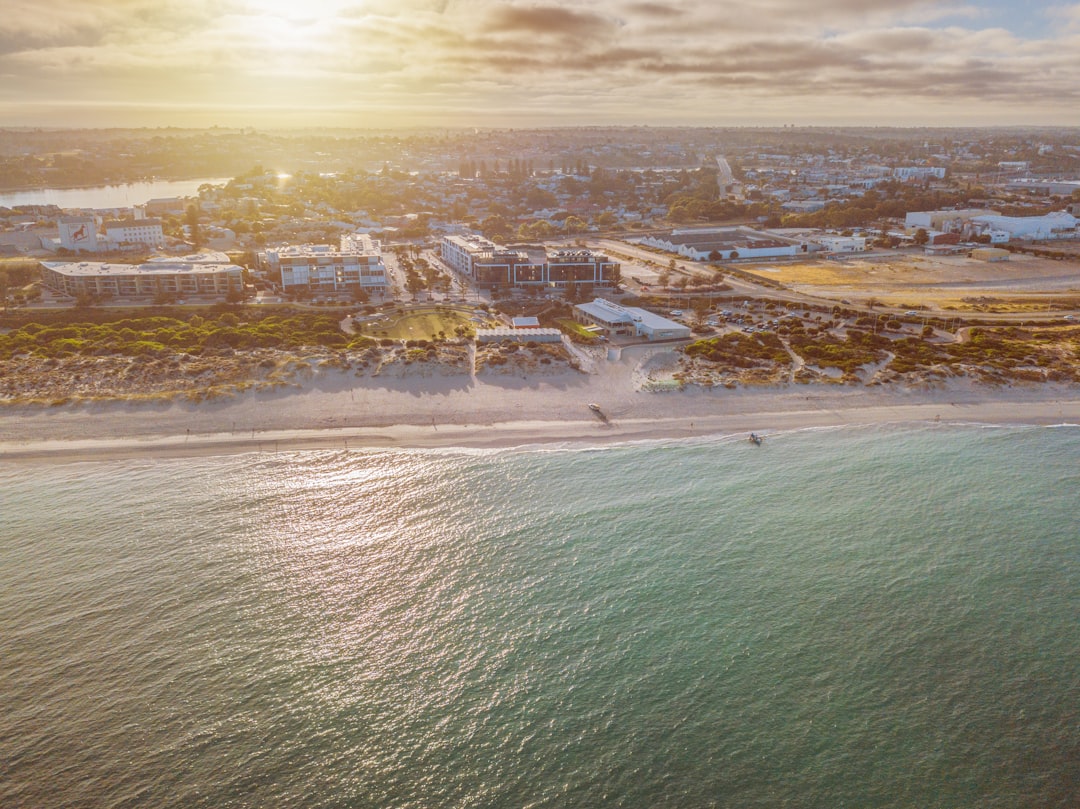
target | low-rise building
[
  {"x": 616, "y": 320},
  {"x": 202, "y": 274},
  {"x": 164, "y": 205},
  {"x": 123, "y": 232},
  {"x": 841, "y": 244},
  {"x": 945, "y": 221},
  {"x": 1056, "y": 225},
  {"x": 78, "y": 233},
  {"x": 990, "y": 254},
  {"x": 532, "y": 335},
  {"x": 726, "y": 244}
]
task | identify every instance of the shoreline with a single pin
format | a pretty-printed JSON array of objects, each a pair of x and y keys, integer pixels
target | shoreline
[
  {"x": 428, "y": 407},
  {"x": 522, "y": 433}
]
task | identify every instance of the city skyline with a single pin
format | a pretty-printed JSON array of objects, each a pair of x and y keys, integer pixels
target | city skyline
[{"x": 377, "y": 63}]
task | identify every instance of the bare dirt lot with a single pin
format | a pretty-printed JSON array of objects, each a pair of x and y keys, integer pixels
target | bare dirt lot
[{"x": 1021, "y": 283}]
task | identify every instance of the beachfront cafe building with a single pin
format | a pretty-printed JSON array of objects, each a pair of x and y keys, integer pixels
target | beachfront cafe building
[
  {"x": 209, "y": 274},
  {"x": 628, "y": 321}
]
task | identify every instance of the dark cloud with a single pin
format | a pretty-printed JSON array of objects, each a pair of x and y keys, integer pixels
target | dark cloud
[
  {"x": 654, "y": 10},
  {"x": 547, "y": 20}
]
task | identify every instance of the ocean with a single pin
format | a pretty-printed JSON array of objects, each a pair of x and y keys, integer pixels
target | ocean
[{"x": 872, "y": 617}]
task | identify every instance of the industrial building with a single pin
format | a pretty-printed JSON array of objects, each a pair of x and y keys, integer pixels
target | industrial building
[
  {"x": 1056, "y": 225},
  {"x": 726, "y": 244}
]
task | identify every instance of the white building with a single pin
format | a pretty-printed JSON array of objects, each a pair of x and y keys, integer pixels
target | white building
[
  {"x": 842, "y": 244},
  {"x": 319, "y": 268},
  {"x": 530, "y": 335},
  {"x": 122, "y": 232},
  {"x": 726, "y": 244},
  {"x": 952, "y": 221},
  {"x": 1056, "y": 225},
  {"x": 628, "y": 320},
  {"x": 909, "y": 173},
  {"x": 78, "y": 233},
  {"x": 203, "y": 274}
]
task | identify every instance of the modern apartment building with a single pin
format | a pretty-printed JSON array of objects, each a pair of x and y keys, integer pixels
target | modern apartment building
[
  {"x": 491, "y": 265},
  {"x": 203, "y": 274},
  {"x": 320, "y": 268}
]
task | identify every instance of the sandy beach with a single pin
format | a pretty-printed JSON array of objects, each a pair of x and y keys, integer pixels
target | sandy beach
[{"x": 336, "y": 409}]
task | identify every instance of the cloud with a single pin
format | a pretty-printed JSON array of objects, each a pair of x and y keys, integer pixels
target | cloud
[
  {"x": 635, "y": 61},
  {"x": 547, "y": 20},
  {"x": 654, "y": 9}
]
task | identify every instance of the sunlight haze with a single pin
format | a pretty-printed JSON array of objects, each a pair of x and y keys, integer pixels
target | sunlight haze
[{"x": 381, "y": 63}]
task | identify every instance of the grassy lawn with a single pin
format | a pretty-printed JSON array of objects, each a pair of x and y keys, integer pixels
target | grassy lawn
[
  {"x": 574, "y": 328},
  {"x": 418, "y": 324}
]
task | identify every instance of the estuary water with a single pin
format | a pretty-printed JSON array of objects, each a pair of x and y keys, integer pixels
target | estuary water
[
  {"x": 876, "y": 617},
  {"x": 107, "y": 196}
]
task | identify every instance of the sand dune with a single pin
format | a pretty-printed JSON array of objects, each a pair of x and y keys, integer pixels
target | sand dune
[{"x": 334, "y": 408}]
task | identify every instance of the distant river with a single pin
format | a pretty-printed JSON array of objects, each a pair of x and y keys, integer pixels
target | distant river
[{"x": 108, "y": 196}]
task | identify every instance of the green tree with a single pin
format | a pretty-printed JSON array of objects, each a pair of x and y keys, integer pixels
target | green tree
[
  {"x": 192, "y": 221},
  {"x": 574, "y": 224}
]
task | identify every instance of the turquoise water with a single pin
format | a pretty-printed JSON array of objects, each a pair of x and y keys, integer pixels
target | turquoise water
[{"x": 858, "y": 618}]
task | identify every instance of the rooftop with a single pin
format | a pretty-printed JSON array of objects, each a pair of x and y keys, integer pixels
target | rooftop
[{"x": 154, "y": 266}]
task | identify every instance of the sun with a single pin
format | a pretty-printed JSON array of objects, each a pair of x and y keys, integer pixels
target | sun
[{"x": 300, "y": 10}]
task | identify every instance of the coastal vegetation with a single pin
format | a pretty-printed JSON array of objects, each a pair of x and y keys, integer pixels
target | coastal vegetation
[
  {"x": 994, "y": 355},
  {"x": 163, "y": 335}
]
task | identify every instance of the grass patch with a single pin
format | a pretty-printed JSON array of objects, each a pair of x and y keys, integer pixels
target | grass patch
[
  {"x": 578, "y": 333},
  {"x": 420, "y": 324}
]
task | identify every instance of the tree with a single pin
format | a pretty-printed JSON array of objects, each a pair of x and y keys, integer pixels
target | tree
[
  {"x": 921, "y": 236},
  {"x": 574, "y": 224},
  {"x": 192, "y": 220}
]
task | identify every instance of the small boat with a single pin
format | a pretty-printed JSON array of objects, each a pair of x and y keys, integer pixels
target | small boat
[
  {"x": 594, "y": 407},
  {"x": 755, "y": 439}
]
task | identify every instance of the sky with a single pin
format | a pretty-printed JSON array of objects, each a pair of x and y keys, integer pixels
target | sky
[{"x": 513, "y": 63}]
